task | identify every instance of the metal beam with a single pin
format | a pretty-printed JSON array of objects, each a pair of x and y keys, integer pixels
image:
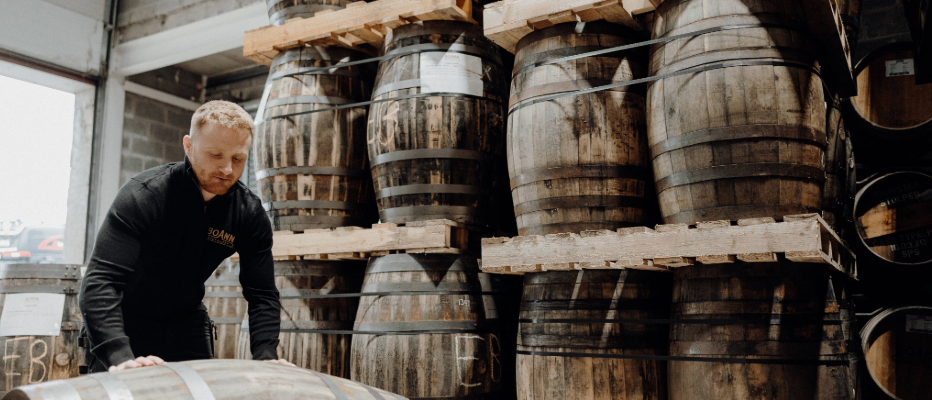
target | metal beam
[{"x": 188, "y": 42}]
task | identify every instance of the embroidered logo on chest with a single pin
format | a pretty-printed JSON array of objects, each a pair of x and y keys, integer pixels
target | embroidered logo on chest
[{"x": 218, "y": 236}]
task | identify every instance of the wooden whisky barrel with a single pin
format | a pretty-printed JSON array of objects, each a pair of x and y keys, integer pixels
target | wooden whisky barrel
[
  {"x": 311, "y": 168},
  {"x": 304, "y": 340},
  {"x": 745, "y": 137},
  {"x": 51, "y": 352},
  {"x": 893, "y": 217},
  {"x": 433, "y": 333},
  {"x": 283, "y": 10},
  {"x": 226, "y": 306},
  {"x": 578, "y": 162},
  {"x": 897, "y": 345},
  {"x": 434, "y": 149},
  {"x": 760, "y": 330},
  {"x": 204, "y": 380},
  {"x": 840, "y": 178},
  {"x": 571, "y": 346},
  {"x": 891, "y": 115}
]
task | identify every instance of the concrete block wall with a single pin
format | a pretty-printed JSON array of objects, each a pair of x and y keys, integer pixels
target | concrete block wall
[
  {"x": 152, "y": 135},
  {"x": 138, "y": 18},
  {"x": 882, "y": 22}
]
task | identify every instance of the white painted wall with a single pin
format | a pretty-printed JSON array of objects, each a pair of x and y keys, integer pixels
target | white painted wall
[{"x": 62, "y": 35}]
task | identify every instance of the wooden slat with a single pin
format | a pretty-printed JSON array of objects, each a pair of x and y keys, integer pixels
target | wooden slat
[
  {"x": 361, "y": 27},
  {"x": 356, "y": 243},
  {"x": 799, "y": 238},
  {"x": 506, "y": 22}
]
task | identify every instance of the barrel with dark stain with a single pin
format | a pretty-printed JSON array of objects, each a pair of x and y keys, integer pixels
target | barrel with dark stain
[
  {"x": 307, "y": 338},
  {"x": 53, "y": 353},
  {"x": 432, "y": 333},
  {"x": 204, "y": 380},
  {"x": 891, "y": 115},
  {"x": 840, "y": 179},
  {"x": 311, "y": 165},
  {"x": 436, "y": 132},
  {"x": 893, "y": 216},
  {"x": 572, "y": 344},
  {"x": 778, "y": 331},
  {"x": 745, "y": 136},
  {"x": 897, "y": 345},
  {"x": 578, "y": 162},
  {"x": 283, "y": 10},
  {"x": 226, "y": 306}
]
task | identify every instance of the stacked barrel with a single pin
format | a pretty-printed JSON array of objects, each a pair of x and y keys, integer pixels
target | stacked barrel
[
  {"x": 580, "y": 162},
  {"x": 428, "y": 325},
  {"x": 313, "y": 173},
  {"x": 890, "y": 122},
  {"x": 40, "y": 323}
]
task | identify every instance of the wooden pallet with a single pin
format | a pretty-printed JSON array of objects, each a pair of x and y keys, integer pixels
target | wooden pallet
[
  {"x": 506, "y": 22},
  {"x": 800, "y": 238},
  {"x": 356, "y": 243},
  {"x": 360, "y": 26}
]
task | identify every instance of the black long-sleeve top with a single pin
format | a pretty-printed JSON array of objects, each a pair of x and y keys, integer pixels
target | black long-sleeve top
[{"x": 160, "y": 242}]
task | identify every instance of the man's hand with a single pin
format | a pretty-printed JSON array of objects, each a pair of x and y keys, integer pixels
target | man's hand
[
  {"x": 138, "y": 362},
  {"x": 281, "y": 361}
]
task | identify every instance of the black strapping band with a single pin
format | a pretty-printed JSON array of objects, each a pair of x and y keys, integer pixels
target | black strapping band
[
  {"x": 552, "y": 203},
  {"x": 417, "y": 49},
  {"x": 313, "y": 170},
  {"x": 383, "y": 294},
  {"x": 322, "y": 204},
  {"x": 692, "y": 70},
  {"x": 370, "y": 102},
  {"x": 733, "y": 171},
  {"x": 777, "y": 361},
  {"x": 417, "y": 154},
  {"x": 649, "y": 42},
  {"x": 426, "y": 188},
  {"x": 582, "y": 171},
  {"x": 733, "y": 321},
  {"x": 740, "y": 132}
]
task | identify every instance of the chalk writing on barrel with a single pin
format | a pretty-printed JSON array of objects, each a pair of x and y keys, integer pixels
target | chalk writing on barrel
[{"x": 29, "y": 346}]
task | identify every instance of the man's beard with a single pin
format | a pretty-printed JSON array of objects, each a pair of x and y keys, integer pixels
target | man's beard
[{"x": 211, "y": 185}]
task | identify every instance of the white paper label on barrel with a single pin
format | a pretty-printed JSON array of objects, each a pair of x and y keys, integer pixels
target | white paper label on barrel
[
  {"x": 451, "y": 73},
  {"x": 32, "y": 314},
  {"x": 901, "y": 67},
  {"x": 919, "y": 324}
]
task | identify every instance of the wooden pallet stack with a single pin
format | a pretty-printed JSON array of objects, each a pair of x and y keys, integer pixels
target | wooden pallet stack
[{"x": 735, "y": 256}]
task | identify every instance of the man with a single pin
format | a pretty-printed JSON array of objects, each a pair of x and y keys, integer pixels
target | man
[{"x": 166, "y": 232}]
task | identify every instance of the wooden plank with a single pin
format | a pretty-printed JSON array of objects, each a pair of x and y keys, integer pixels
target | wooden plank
[
  {"x": 361, "y": 27},
  {"x": 824, "y": 22},
  {"x": 342, "y": 240},
  {"x": 506, "y": 22},
  {"x": 801, "y": 238}
]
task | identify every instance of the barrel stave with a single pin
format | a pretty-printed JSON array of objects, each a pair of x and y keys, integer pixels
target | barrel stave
[
  {"x": 577, "y": 162},
  {"x": 433, "y": 156},
  {"x": 742, "y": 141},
  {"x": 324, "y": 352},
  {"x": 33, "y": 359},
  {"x": 792, "y": 317},
  {"x": 318, "y": 156},
  {"x": 597, "y": 296},
  {"x": 453, "y": 350}
]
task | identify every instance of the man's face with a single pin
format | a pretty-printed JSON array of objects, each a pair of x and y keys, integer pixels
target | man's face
[{"x": 218, "y": 156}]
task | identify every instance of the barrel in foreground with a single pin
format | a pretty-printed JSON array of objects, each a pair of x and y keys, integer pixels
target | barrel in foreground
[{"x": 204, "y": 380}]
